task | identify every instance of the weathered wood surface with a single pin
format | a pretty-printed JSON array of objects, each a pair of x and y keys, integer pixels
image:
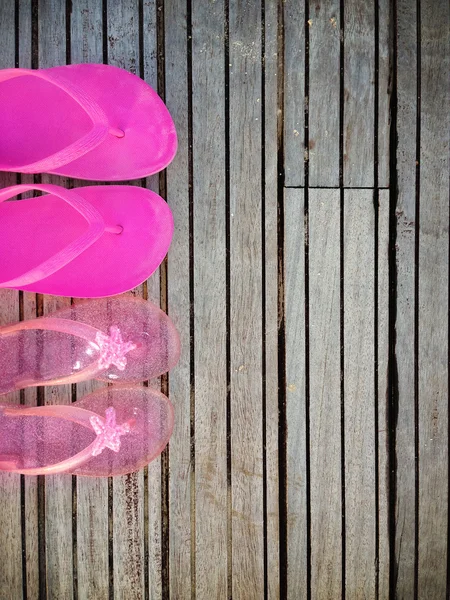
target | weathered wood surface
[
  {"x": 310, "y": 453},
  {"x": 324, "y": 392},
  {"x": 296, "y": 449},
  {"x": 406, "y": 300},
  {"x": 294, "y": 92},
  {"x": 324, "y": 30},
  {"x": 433, "y": 307}
]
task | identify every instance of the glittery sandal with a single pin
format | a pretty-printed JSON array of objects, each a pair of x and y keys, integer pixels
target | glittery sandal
[
  {"x": 122, "y": 339},
  {"x": 113, "y": 431}
]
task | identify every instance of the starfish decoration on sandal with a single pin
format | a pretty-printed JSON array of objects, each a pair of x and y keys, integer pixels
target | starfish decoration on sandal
[
  {"x": 108, "y": 432},
  {"x": 113, "y": 349}
]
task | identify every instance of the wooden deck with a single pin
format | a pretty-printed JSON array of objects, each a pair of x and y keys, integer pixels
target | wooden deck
[{"x": 309, "y": 279}]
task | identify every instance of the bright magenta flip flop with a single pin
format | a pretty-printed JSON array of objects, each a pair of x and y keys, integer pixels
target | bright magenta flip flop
[
  {"x": 122, "y": 339},
  {"x": 88, "y": 242},
  {"x": 113, "y": 431},
  {"x": 84, "y": 121}
]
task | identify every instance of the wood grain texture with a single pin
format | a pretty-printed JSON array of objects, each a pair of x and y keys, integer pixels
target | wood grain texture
[
  {"x": 270, "y": 262},
  {"x": 325, "y": 397},
  {"x": 294, "y": 262},
  {"x": 32, "y": 507},
  {"x": 208, "y": 103},
  {"x": 359, "y": 413},
  {"x": 294, "y": 92},
  {"x": 433, "y": 300},
  {"x": 181, "y": 553},
  {"x": 382, "y": 383},
  {"x": 246, "y": 301},
  {"x": 92, "y": 560},
  {"x": 359, "y": 86},
  {"x": 177, "y": 528},
  {"x": 324, "y": 93},
  {"x": 385, "y": 57},
  {"x": 58, "y": 488},
  {"x": 122, "y": 30},
  {"x": 405, "y": 322},
  {"x": 31, "y": 534},
  {"x": 10, "y": 494},
  {"x": 152, "y": 477}
]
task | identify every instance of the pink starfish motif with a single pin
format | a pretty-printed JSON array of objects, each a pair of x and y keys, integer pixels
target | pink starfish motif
[
  {"x": 108, "y": 433},
  {"x": 113, "y": 349}
]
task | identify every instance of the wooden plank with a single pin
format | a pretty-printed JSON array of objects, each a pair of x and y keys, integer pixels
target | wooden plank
[
  {"x": 405, "y": 331},
  {"x": 58, "y": 488},
  {"x": 210, "y": 301},
  {"x": 294, "y": 92},
  {"x": 359, "y": 96},
  {"x": 433, "y": 300},
  {"x": 325, "y": 393},
  {"x": 384, "y": 90},
  {"x": 359, "y": 418},
  {"x": 181, "y": 563},
  {"x": 86, "y": 26},
  {"x": 246, "y": 300},
  {"x": 153, "y": 577},
  {"x": 270, "y": 261},
  {"x": 32, "y": 507},
  {"x": 294, "y": 261},
  {"x": 382, "y": 383},
  {"x": 10, "y": 495},
  {"x": 324, "y": 93},
  {"x": 128, "y": 497}
]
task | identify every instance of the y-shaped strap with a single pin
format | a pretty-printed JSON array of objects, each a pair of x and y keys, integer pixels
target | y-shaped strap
[
  {"x": 72, "y": 250},
  {"x": 85, "y": 144}
]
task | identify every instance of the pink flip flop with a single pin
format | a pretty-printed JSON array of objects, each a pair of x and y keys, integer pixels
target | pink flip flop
[
  {"x": 88, "y": 242},
  {"x": 123, "y": 339},
  {"x": 113, "y": 431},
  {"x": 84, "y": 121}
]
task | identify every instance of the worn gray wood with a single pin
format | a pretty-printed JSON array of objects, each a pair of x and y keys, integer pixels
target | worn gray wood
[
  {"x": 294, "y": 261},
  {"x": 10, "y": 496},
  {"x": 405, "y": 249},
  {"x": 382, "y": 382},
  {"x": 324, "y": 93},
  {"x": 325, "y": 397},
  {"x": 385, "y": 56},
  {"x": 128, "y": 491},
  {"x": 91, "y": 494},
  {"x": 210, "y": 301},
  {"x": 58, "y": 488},
  {"x": 181, "y": 551},
  {"x": 433, "y": 300},
  {"x": 359, "y": 414},
  {"x": 271, "y": 297},
  {"x": 32, "y": 508},
  {"x": 359, "y": 96},
  {"x": 246, "y": 301},
  {"x": 153, "y": 480},
  {"x": 294, "y": 92},
  {"x": 199, "y": 537}
]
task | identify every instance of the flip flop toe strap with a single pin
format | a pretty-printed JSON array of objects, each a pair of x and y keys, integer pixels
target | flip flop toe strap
[{"x": 72, "y": 250}]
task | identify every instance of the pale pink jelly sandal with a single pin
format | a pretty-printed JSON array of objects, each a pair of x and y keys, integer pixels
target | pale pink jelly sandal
[
  {"x": 88, "y": 242},
  {"x": 112, "y": 431},
  {"x": 84, "y": 121},
  {"x": 123, "y": 339}
]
